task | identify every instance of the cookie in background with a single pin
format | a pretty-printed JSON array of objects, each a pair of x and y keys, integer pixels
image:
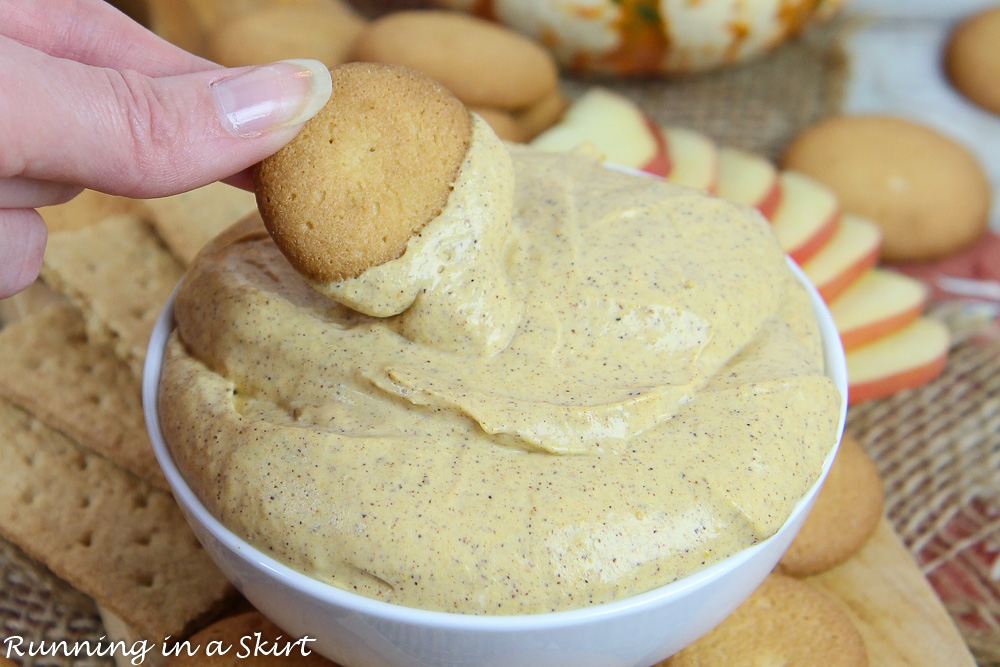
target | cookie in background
[
  {"x": 508, "y": 79},
  {"x": 323, "y": 31},
  {"x": 929, "y": 195},
  {"x": 845, "y": 515},
  {"x": 502, "y": 122},
  {"x": 972, "y": 59},
  {"x": 191, "y": 25}
]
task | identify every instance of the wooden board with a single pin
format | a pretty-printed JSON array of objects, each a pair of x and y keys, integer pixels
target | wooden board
[{"x": 898, "y": 613}]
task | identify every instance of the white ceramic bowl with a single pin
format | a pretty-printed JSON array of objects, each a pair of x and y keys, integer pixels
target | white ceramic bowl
[{"x": 357, "y": 631}]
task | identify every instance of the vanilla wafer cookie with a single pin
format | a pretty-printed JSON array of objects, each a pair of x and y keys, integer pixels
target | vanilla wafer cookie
[
  {"x": 369, "y": 171},
  {"x": 542, "y": 115},
  {"x": 784, "y": 622},
  {"x": 323, "y": 31},
  {"x": 927, "y": 193},
  {"x": 502, "y": 123},
  {"x": 482, "y": 63},
  {"x": 845, "y": 515},
  {"x": 972, "y": 59}
]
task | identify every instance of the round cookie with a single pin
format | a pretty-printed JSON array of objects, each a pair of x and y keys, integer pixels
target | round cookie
[
  {"x": 929, "y": 195},
  {"x": 325, "y": 32},
  {"x": 845, "y": 515},
  {"x": 972, "y": 59},
  {"x": 501, "y": 122},
  {"x": 543, "y": 114},
  {"x": 785, "y": 622},
  {"x": 369, "y": 171},
  {"x": 237, "y": 633},
  {"x": 482, "y": 63}
]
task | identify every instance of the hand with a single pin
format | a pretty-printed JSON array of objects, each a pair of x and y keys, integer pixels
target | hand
[{"x": 91, "y": 99}]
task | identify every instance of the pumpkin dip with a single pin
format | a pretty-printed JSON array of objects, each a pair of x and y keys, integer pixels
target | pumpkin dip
[{"x": 574, "y": 386}]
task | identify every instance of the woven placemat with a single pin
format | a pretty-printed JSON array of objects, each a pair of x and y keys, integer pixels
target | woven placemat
[
  {"x": 37, "y": 606},
  {"x": 937, "y": 446}
]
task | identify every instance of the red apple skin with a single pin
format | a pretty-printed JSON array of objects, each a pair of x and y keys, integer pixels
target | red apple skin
[
  {"x": 659, "y": 164},
  {"x": 839, "y": 285},
  {"x": 714, "y": 185},
  {"x": 807, "y": 250},
  {"x": 875, "y": 330},
  {"x": 887, "y": 386},
  {"x": 768, "y": 206}
]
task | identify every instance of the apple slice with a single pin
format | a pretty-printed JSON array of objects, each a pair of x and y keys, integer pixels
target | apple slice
[
  {"x": 907, "y": 358},
  {"x": 807, "y": 217},
  {"x": 748, "y": 179},
  {"x": 845, "y": 257},
  {"x": 878, "y": 304},
  {"x": 693, "y": 158},
  {"x": 615, "y": 126}
]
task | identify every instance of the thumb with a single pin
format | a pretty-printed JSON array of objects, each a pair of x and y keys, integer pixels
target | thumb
[{"x": 128, "y": 134}]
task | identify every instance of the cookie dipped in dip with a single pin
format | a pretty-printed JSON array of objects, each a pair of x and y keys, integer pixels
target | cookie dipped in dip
[{"x": 571, "y": 386}]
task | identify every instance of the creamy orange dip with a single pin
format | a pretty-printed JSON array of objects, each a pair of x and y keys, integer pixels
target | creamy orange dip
[{"x": 574, "y": 386}]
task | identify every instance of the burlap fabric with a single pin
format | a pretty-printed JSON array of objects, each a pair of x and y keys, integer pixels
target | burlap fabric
[
  {"x": 938, "y": 446},
  {"x": 37, "y": 606}
]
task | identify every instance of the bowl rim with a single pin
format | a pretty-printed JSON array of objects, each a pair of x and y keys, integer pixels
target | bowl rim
[{"x": 835, "y": 367}]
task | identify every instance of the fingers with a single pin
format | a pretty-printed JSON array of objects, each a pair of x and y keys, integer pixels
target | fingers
[
  {"x": 94, "y": 33},
  {"x": 242, "y": 180},
  {"x": 19, "y": 192},
  {"x": 22, "y": 244},
  {"x": 128, "y": 134}
]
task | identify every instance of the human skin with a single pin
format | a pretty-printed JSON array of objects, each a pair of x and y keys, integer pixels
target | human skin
[{"x": 102, "y": 103}]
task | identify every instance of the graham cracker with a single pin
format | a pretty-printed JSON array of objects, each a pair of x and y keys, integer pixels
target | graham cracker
[
  {"x": 119, "y": 274},
  {"x": 186, "y": 222},
  {"x": 105, "y": 532},
  {"x": 87, "y": 208},
  {"x": 48, "y": 368},
  {"x": 35, "y": 297}
]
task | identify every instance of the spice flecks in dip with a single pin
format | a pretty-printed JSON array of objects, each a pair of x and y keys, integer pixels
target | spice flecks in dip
[{"x": 654, "y": 400}]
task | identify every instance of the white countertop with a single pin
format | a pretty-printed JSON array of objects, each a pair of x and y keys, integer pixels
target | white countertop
[{"x": 896, "y": 67}]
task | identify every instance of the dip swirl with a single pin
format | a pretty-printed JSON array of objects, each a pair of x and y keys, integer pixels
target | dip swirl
[{"x": 563, "y": 393}]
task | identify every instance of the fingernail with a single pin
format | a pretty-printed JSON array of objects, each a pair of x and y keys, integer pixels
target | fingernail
[{"x": 272, "y": 96}]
